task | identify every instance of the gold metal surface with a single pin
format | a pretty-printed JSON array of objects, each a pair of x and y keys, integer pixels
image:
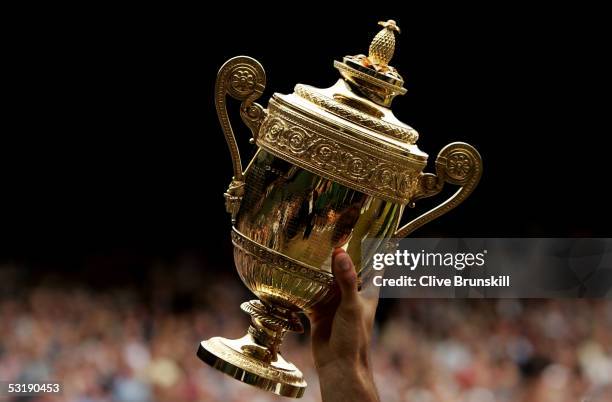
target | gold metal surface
[
  {"x": 358, "y": 111},
  {"x": 383, "y": 45},
  {"x": 227, "y": 355},
  {"x": 334, "y": 167},
  {"x": 371, "y": 75},
  {"x": 457, "y": 163},
  {"x": 244, "y": 79},
  {"x": 377, "y": 170}
]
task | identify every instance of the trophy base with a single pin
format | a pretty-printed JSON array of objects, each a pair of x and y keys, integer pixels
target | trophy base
[{"x": 238, "y": 358}]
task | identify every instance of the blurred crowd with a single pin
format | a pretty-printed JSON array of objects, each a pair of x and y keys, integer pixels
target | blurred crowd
[{"x": 136, "y": 341}]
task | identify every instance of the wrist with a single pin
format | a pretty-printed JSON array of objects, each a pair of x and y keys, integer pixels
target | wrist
[{"x": 340, "y": 380}]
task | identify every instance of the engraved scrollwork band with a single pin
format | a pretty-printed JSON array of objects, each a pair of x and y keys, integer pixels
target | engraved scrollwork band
[
  {"x": 317, "y": 148},
  {"x": 280, "y": 261}
]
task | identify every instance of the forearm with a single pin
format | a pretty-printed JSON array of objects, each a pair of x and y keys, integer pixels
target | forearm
[
  {"x": 347, "y": 382},
  {"x": 341, "y": 339}
]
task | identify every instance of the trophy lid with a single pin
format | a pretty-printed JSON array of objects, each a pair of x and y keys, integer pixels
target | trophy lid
[{"x": 347, "y": 132}]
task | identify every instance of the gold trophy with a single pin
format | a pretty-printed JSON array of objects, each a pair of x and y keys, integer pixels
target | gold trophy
[{"x": 333, "y": 167}]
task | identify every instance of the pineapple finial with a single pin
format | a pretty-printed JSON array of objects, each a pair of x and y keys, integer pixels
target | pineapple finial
[{"x": 383, "y": 45}]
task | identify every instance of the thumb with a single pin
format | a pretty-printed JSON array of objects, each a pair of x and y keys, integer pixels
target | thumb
[{"x": 345, "y": 276}]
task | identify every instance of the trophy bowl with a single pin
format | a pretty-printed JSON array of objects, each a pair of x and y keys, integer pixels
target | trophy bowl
[{"x": 333, "y": 167}]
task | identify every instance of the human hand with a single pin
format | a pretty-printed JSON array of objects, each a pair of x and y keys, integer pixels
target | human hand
[{"x": 341, "y": 333}]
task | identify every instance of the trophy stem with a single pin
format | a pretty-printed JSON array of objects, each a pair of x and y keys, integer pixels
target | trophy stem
[
  {"x": 255, "y": 358},
  {"x": 269, "y": 324}
]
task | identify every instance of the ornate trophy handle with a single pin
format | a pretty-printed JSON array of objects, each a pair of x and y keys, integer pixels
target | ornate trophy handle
[
  {"x": 457, "y": 163},
  {"x": 243, "y": 78}
]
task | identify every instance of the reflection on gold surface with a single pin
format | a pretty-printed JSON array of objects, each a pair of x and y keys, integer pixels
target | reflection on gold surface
[{"x": 304, "y": 216}]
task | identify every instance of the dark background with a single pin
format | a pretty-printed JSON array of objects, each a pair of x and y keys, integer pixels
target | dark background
[{"x": 111, "y": 145}]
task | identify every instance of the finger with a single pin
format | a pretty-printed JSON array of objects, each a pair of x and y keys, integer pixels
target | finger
[
  {"x": 368, "y": 289},
  {"x": 345, "y": 276},
  {"x": 369, "y": 293},
  {"x": 369, "y": 307}
]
